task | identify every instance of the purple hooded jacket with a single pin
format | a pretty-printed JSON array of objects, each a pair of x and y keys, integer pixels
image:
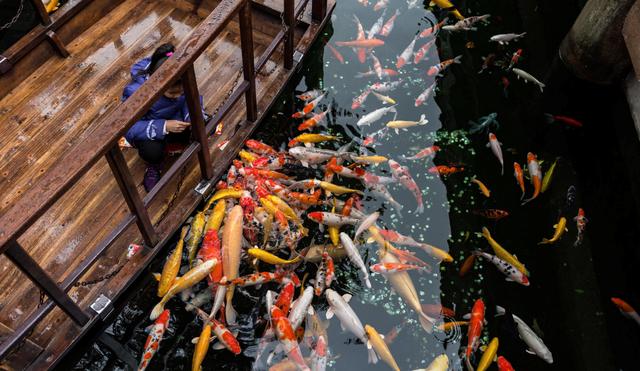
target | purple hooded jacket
[{"x": 151, "y": 126}]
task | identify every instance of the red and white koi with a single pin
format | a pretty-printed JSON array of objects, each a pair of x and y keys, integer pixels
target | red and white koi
[
  {"x": 319, "y": 355},
  {"x": 332, "y": 219},
  {"x": 427, "y": 152},
  {"x": 433, "y": 30},
  {"x": 359, "y": 100},
  {"x": 626, "y": 309},
  {"x": 225, "y": 337},
  {"x": 581, "y": 224},
  {"x": 400, "y": 239},
  {"x": 385, "y": 87},
  {"x": 467, "y": 23},
  {"x": 494, "y": 144},
  {"x": 511, "y": 272},
  {"x": 287, "y": 338},
  {"x": 310, "y": 95},
  {"x": 265, "y": 149},
  {"x": 381, "y": 4},
  {"x": 405, "y": 56},
  {"x": 515, "y": 58},
  {"x": 402, "y": 174},
  {"x": 386, "y": 72},
  {"x": 360, "y": 52},
  {"x": 377, "y": 67},
  {"x": 422, "y": 52},
  {"x": 440, "y": 67},
  {"x": 155, "y": 337},
  {"x": 317, "y": 119},
  {"x": 388, "y": 25},
  {"x": 476, "y": 322},
  {"x": 377, "y": 26},
  {"x": 308, "y": 107},
  {"x": 390, "y": 268},
  {"x": 424, "y": 96},
  {"x": 380, "y": 190},
  {"x": 535, "y": 174}
]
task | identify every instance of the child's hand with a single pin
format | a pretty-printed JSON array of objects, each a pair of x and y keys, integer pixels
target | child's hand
[{"x": 175, "y": 126}]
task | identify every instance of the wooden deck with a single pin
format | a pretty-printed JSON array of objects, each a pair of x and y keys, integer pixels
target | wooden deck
[{"x": 60, "y": 105}]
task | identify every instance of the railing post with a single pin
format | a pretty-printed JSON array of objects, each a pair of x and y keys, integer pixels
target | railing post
[
  {"x": 290, "y": 22},
  {"x": 248, "y": 66},
  {"x": 129, "y": 192},
  {"x": 42, "y": 11},
  {"x": 37, "y": 275},
  {"x": 318, "y": 10},
  {"x": 190, "y": 86}
]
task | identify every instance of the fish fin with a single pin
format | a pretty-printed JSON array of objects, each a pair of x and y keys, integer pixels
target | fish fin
[
  {"x": 218, "y": 346},
  {"x": 157, "y": 310},
  {"x": 308, "y": 145},
  {"x": 509, "y": 279},
  {"x": 467, "y": 316},
  {"x": 367, "y": 282},
  {"x": 544, "y": 241},
  {"x": 347, "y": 297},
  {"x": 195, "y": 340},
  {"x": 230, "y": 313},
  {"x": 426, "y": 322},
  {"x": 458, "y": 59},
  {"x": 530, "y": 352},
  {"x": 310, "y": 310},
  {"x": 372, "y": 358},
  {"x": 148, "y": 328},
  {"x": 488, "y": 145},
  {"x": 329, "y": 313},
  {"x": 397, "y": 131},
  {"x": 156, "y": 276},
  {"x": 420, "y": 208},
  {"x": 555, "y": 225},
  {"x": 342, "y": 327},
  {"x": 500, "y": 311},
  {"x": 369, "y": 346}
]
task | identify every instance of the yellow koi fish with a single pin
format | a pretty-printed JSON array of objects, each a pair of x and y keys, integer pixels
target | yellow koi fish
[
  {"x": 502, "y": 253},
  {"x": 285, "y": 208},
  {"x": 311, "y": 138},
  {"x": 488, "y": 356},
  {"x": 189, "y": 279},
  {"x": 216, "y": 217},
  {"x": 269, "y": 258},
  {"x": 447, "y": 5},
  {"x": 247, "y": 156},
  {"x": 548, "y": 176},
  {"x": 483, "y": 188},
  {"x": 384, "y": 98},
  {"x": 201, "y": 348},
  {"x": 231, "y": 249},
  {"x": 560, "y": 228},
  {"x": 195, "y": 236},
  {"x": 377, "y": 343},
  {"x": 223, "y": 193},
  {"x": 440, "y": 363},
  {"x": 370, "y": 159},
  {"x": 339, "y": 190},
  {"x": 448, "y": 326},
  {"x": 334, "y": 232},
  {"x": 172, "y": 266}
]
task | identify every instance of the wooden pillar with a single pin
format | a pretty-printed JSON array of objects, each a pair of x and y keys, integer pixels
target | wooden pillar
[
  {"x": 42, "y": 12},
  {"x": 290, "y": 22},
  {"x": 38, "y": 276},
  {"x": 197, "y": 121},
  {"x": 318, "y": 10},
  {"x": 248, "y": 66},
  {"x": 594, "y": 49},
  {"x": 55, "y": 41},
  {"x": 130, "y": 193}
]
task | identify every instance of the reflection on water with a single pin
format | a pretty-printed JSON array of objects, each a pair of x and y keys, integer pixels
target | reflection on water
[{"x": 567, "y": 300}]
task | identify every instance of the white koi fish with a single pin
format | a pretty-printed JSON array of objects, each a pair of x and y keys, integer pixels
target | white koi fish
[
  {"x": 506, "y": 38},
  {"x": 533, "y": 341},
  {"x": 528, "y": 77},
  {"x": 494, "y": 144},
  {"x": 376, "y": 115},
  {"x": 354, "y": 256},
  {"x": 512, "y": 273},
  {"x": 424, "y": 96}
]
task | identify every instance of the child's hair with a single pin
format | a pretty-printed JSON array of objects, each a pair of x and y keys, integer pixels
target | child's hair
[{"x": 162, "y": 53}]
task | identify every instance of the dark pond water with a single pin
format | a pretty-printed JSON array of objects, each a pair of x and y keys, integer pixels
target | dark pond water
[{"x": 567, "y": 303}]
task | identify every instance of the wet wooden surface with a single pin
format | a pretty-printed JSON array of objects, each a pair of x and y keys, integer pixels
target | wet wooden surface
[{"x": 58, "y": 104}]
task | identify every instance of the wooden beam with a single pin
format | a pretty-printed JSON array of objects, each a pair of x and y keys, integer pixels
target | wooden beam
[
  {"x": 290, "y": 22},
  {"x": 197, "y": 121},
  {"x": 42, "y": 12},
  {"x": 40, "y": 278},
  {"x": 318, "y": 10},
  {"x": 125, "y": 181},
  {"x": 57, "y": 44},
  {"x": 248, "y": 67}
]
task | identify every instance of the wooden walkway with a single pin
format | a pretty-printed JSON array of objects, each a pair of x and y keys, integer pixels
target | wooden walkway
[{"x": 59, "y": 106}]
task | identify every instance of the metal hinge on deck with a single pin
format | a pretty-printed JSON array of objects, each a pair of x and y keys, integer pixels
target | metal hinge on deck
[
  {"x": 100, "y": 304},
  {"x": 297, "y": 56},
  {"x": 203, "y": 187}
]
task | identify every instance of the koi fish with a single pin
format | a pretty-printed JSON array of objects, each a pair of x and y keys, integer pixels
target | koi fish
[
  {"x": 225, "y": 337},
  {"x": 484, "y": 123},
  {"x": 505, "y": 86},
  {"x": 202, "y": 347},
  {"x": 402, "y": 124},
  {"x": 269, "y": 258},
  {"x": 487, "y": 62},
  {"x": 195, "y": 236},
  {"x": 300, "y": 307},
  {"x": 581, "y": 224},
  {"x": 467, "y": 24},
  {"x": 377, "y": 66},
  {"x": 504, "y": 365},
  {"x": 339, "y": 306},
  {"x": 319, "y": 353},
  {"x": 360, "y": 52},
  {"x": 560, "y": 228},
  {"x": 536, "y": 175},
  {"x": 369, "y": 160},
  {"x": 520, "y": 74},
  {"x": 365, "y": 223},
  {"x": 377, "y": 26},
  {"x": 335, "y": 53},
  {"x": 155, "y": 337},
  {"x": 483, "y": 188},
  {"x": 440, "y": 363},
  {"x": 476, "y": 322},
  {"x": 189, "y": 279},
  {"x": 445, "y": 170},
  {"x": 380, "y": 190},
  {"x": 384, "y": 99},
  {"x": 316, "y": 119},
  {"x": 519, "y": 175},
  {"x": 359, "y": 100},
  {"x": 564, "y": 119},
  {"x": 424, "y": 96},
  {"x": 433, "y": 30},
  {"x": 448, "y": 6},
  {"x": 504, "y": 39},
  {"x": 390, "y": 268},
  {"x": 429, "y": 151},
  {"x": 354, "y": 256},
  {"x": 211, "y": 250},
  {"x": 502, "y": 253},
  {"x": 495, "y": 214},
  {"x": 171, "y": 266},
  {"x": 405, "y": 56},
  {"x": 385, "y": 87},
  {"x": 400, "y": 239},
  {"x": 381, "y": 4},
  {"x": 388, "y": 25},
  {"x": 548, "y": 176},
  {"x": 308, "y": 107},
  {"x": 489, "y": 355},
  {"x": 306, "y": 96},
  {"x": 448, "y": 326},
  {"x": 533, "y": 341},
  {"x": 402, "y": 174},
  {"x": 515, "y": 58},
  {"x": 376, "y": 341},
  {"x": 222, "y": 194},
  {"x": 467, "y": 265},
  {"x": 231, "y": 250},
  {"x": 384, "y": 72},
  {"x": 626, "y": 309},
  {"x": 366, "y": 43},
  {"x": 424, "y": 49},
  {"x": 376, "y": 115},
  {"x": 440, "y": 67},
  {"x": 511, "y": 272},
  {"x": 332, "y": 219},
  {"x": 311, "y": 138},
  {"x": 494, "y": 144}
]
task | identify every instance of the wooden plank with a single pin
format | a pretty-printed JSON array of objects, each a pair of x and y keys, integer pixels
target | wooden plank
[
  {"x": 18, "y": 360},
  {"x": 55, "y": 41},
  {"x": 197, "y": 120}
]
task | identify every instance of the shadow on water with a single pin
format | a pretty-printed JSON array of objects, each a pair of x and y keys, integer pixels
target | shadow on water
[{"x": 568, "y": 300}]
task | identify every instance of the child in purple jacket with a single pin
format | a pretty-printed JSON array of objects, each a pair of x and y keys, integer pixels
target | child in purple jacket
[{"x": 167, "y": 121}]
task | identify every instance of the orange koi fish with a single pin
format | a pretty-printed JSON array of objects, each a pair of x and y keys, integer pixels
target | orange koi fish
[
  {"x": 287, "y": 338},
  {"x": 155, "y": 337},
  {"x": 495, "y": 214},
  {"x": 260, "y": 148},
  {"x": 390, "y": 268},
  {"x": 336, "y": 53},
  {"x": 359, "y": 100},
  {"x": 432, "y": 30},
  {"x": 316, "y": 119},
  {"x": 429, "y": 151},
  {"x": 504, "y": 365},
  {"x": 424, "y": 49},
  {"x": 626, "y": 309},
  {"x": 517, "y": 172},
  {"x": 366, "y": 43},
  {"x": 440, "y": 67},
  {"x": 308, "y": 107},
  {"x": 467, "y": 265},
  {"x": 445, "y": 170},
  {"x": 476, "y": 322},
  {"x": 225, "y": 337},
  {"x": 211, "y": 250},
  {"x": 536, "y": 175}
]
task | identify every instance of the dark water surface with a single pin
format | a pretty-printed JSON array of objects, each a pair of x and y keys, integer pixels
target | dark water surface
[{"x": 568, "y": 299}]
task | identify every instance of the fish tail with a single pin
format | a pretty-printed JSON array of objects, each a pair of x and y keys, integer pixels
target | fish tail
[
  {"x": 549, "y": 118},
  {"x": 426, "y": 322},
  {"x": 458, "y": 59},
  {"x": 522, "y": 197},
  {"x": 542, "y": 86},
  {"x": 367, "y": 282},
  {"x": 544, "y": 241},
  {"x": 157, "y": 310},
  {"x": 372, "y": 358},
  {"x": 420, "y": 208},
  {"x": 468, "y": 363}
]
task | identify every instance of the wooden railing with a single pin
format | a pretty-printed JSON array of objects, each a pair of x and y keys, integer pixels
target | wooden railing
[{"x": 104, "y": 142}]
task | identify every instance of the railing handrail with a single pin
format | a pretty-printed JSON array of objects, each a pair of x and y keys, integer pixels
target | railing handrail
[{"x": 81, "y": 157}]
